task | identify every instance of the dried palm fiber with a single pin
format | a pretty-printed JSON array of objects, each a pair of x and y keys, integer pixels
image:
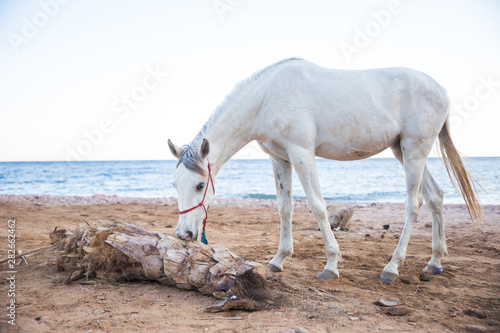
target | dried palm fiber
[{"x": 127, "y": 251}]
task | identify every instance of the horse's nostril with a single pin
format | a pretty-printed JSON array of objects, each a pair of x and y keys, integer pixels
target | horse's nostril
[{"x": 186, "y": 236}]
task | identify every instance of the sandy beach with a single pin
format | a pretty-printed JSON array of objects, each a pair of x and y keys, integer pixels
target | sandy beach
[{"x": 467, "y": 293}]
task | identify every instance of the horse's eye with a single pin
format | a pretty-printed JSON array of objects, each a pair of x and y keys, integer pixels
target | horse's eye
[{"x": 200, "y": 186}]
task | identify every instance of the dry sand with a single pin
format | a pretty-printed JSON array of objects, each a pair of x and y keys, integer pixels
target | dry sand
[{"x": 467, "y": 293}]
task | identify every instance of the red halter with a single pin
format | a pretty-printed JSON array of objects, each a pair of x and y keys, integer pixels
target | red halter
[{"x": 210, "y": 180}]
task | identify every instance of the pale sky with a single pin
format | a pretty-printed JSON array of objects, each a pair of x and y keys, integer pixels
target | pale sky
[{"x": 113, "y": 80}]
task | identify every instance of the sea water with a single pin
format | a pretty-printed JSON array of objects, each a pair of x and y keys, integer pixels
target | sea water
[{"x": 369, "y": 180}]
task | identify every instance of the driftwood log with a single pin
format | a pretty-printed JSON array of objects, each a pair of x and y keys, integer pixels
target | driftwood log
[
  {"x": 339, "y": 216},
  {"x": 125, "y": 251}
]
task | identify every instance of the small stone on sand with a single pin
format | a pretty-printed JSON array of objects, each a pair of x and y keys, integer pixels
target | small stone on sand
[
  {"x": 425, "y": 277},
  {"x": 397, "y": 311},
  {"x": 475, "y": 328},
  {"x": 382, "y": 302},
  {"x": 410, "y": 279}
]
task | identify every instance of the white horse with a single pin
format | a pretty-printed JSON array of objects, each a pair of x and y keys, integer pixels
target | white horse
[{"x": 296, "y": 111}]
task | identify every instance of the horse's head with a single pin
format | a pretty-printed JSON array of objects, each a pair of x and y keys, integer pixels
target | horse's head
[{"x": 192, "y": 179}]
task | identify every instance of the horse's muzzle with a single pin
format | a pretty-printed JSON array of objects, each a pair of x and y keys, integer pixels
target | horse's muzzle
[{"x": 187, "y": 236}]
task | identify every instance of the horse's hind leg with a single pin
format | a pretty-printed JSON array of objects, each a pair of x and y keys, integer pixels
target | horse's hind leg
[
  {"x": 305, "y": 166},
  {"x": 283, "y": 177},
  {"x": 433, "y": 195},
  {"x": 413, "y": 160}
]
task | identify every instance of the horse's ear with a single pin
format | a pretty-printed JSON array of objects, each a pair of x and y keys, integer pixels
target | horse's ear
[
  {"x": 204, "y": 149},
  {"x": 176, "y": 151}
]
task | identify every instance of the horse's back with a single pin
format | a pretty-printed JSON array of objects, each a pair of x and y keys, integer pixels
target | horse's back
[
  {"x": 349, "y": 114},
  {"x": 301, "y": 79}
]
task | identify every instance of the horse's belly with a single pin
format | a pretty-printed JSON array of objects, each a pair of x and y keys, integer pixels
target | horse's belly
[
  {"x": 334, "y": 152},
  {"x": 345, "y": 143},
  {"x": 339, "y": 135}
]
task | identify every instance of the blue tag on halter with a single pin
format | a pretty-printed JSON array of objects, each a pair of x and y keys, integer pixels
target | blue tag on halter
[{"x": 204, "y": 238}]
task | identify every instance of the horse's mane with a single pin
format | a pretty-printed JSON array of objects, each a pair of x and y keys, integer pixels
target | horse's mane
[
  {"x": 235, "y": 93},
  {"x": 192, "y": 160}
]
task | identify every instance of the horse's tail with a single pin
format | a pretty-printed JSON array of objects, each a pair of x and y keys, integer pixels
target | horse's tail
[{"x": 461, "y": 178}]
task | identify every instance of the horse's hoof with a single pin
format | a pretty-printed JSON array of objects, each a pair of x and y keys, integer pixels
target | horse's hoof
[
  {"x": 433, "y": 269},
  {"x": 328, "y": 275},
  {"x": 274, "y": 268},
  {"x": 388, "y": 277}
]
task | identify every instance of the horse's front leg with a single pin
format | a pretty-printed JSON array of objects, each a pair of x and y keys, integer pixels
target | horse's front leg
[
  {"x": 283, "y": 177},
  {"x": 305, "y": 165}
]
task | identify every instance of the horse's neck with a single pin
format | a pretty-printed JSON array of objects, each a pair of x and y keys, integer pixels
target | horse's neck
[{"x": 231, "y": 130}]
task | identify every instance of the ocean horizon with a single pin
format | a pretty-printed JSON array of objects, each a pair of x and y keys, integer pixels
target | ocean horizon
[{"x": 369, "y": 180}]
